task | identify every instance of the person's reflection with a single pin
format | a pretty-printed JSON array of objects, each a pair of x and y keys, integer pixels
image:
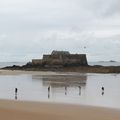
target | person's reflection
[
  {"x": 79, "y": 90},
  {"x": 48, "y": 92},
  {"x": 102, "y": 93},
  {"x": 16, "y": 90},
  {"x": 65, "y": 90}
]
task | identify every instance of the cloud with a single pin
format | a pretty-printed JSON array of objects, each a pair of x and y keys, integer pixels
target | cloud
[
  {"x": 74, "y": 41},
  {"x": 32, "y": 28},
  {"x": 102, "y": 8}
]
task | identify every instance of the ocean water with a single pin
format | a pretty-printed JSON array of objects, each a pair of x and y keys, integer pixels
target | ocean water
[
  {"x": 105, "y": 63},
  {"x": 4, "y": 64},
  {"x": 72, "y": 88}
]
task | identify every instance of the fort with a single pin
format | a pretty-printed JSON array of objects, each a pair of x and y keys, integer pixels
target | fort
[
  {"x": 65, "y": 62},
  {"x": 61, "y": 59}
]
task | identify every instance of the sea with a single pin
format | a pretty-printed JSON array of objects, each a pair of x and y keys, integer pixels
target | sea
[
  {"x": 66, "y": 87},
  {"x": 4, "y": 64}
]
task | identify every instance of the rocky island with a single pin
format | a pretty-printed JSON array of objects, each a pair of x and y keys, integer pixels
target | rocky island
[{"x": 65, "y": 62}]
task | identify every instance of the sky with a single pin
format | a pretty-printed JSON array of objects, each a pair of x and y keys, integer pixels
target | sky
[{"x": 31, "y": 28}]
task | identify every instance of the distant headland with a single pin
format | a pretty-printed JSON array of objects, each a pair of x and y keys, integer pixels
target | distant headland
[{"x": 66, "y": 62}]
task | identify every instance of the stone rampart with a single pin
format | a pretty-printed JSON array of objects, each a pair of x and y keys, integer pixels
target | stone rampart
[
  {"x": 37, "y": 61},
  {"x": 62, "y": 59}
]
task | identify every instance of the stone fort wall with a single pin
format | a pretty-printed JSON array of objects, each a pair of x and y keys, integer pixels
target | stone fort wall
[
  {"x": 37, "y": 61},
  {"x": 61, "y": 60},
  {"x": 72, "y": 59}
]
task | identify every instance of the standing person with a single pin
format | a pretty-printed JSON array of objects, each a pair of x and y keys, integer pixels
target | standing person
[
  {"x": 16, "y": 91},
  {"x": 103, "y": 90},
  {"x": 79, "y": 90},
  {"x": 65, "y": 90},
  {"x": 48, "y": 92}
]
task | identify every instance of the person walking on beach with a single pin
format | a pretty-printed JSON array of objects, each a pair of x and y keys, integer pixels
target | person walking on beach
[
  {"x": 79, "y": 90},
  {"x": 65, "y": 90},
  {"x": 103, "y": 90},
  {"x": 16, "y": 91},
  {"x": 48, "y": 92}
]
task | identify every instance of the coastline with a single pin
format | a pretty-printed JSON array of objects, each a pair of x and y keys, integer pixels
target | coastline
[
  {"x": 81, "y": 69},
  {"x": 22, "y": 110},
  {"x": 19, "y": 72}
]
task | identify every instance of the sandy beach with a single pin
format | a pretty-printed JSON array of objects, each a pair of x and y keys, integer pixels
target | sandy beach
[
  {"x": 14, "y": 110},
  {"x": 21, "y": 110},
  {"x": 18, "y": 72}
]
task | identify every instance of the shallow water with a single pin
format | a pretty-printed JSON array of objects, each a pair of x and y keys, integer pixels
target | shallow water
[
  {"x": 72, "y": 88},
  {"x": 105, "y": 63}
]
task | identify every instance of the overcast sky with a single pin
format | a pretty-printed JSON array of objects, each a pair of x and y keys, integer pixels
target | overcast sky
[{"x": 30, "y": 28}]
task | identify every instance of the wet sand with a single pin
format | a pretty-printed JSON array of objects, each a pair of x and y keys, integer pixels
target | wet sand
[
  {"x": 14, "y": 110},
  {"x": 17, "y": 110},
  {"x": 18, "y": 72}
]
